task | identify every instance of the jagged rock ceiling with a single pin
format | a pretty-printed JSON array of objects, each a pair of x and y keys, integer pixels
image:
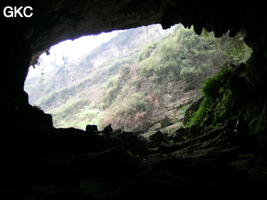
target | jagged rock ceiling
[{"x": 55, "y": 21}]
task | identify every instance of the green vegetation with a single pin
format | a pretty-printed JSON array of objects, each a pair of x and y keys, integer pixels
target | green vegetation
[
  {"x": 128, "y": 89},
  {"x": 147, "y": 51},
  {"x": 217, "y": 97},
  {"x": 182, "y": 54}
]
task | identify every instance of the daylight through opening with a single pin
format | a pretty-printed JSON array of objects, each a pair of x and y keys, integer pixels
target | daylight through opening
[{"x": 140, "y": 79}]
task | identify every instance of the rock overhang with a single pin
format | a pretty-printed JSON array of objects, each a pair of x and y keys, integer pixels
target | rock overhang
[{"x": 55, "y": 21}]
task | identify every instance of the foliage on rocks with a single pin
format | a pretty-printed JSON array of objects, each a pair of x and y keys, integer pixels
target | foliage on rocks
[
  {"x": 130, "y": 89},
  {"x": 181, "y": 55},
  {"x": 216, "y": 101}
]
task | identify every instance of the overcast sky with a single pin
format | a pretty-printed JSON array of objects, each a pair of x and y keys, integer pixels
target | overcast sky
[{"x": 73, "y": 49}]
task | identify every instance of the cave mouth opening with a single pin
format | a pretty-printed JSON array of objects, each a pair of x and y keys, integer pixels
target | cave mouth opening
[{"x": 137, "y": 79}]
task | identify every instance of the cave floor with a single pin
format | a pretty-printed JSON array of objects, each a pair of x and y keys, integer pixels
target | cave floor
[{"x": 47, "y": 164}]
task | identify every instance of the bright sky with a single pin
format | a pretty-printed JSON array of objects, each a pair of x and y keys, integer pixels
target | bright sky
[{"x": 73, "y": 49}]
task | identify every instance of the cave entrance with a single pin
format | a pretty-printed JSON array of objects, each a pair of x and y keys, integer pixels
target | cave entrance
[{"x": 138, "y": 79}]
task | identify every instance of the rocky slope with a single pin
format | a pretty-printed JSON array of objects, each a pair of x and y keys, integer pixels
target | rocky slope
[
  {"x": 74, "y": 164},
  {"x": 135, "y": 77},
  {"x": 81, "y": 81},
  {"x": 75, "y": 72}
]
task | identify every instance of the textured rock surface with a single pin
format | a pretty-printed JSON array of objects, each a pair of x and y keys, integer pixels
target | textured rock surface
[
  {"x": 52, "y": 163},
  {"x": 178, "y": 92},
  {"x": 55, "y": 164},
  {"x": 52, "y": 22}
]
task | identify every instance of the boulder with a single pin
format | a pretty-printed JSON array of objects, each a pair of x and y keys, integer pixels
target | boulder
[
  {"x": 134, "y": 143},
  {"x": 108, "y": 129},
  {"x": 71, "y": 139},
  {"x": 179, "y": 135},
  {"x": 91, "y": 128},
  {"x": 158, "y": 138},
  {"x": 185, "y": 133}
]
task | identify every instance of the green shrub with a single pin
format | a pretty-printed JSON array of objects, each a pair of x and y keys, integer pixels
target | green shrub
[
  {"x": 216, "y": 100},
  {"x": 147, "y": 51},
  {"x": 214, "y": 86}
]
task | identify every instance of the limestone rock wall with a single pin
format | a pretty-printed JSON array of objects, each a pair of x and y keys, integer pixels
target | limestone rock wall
[{"x": 53, "y": 21}]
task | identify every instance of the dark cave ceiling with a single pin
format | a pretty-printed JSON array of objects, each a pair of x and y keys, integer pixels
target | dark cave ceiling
[{"x": 54, "y": 21}]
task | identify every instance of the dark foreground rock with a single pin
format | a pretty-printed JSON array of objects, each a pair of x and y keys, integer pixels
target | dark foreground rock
[{"x": 48, "y": 164}]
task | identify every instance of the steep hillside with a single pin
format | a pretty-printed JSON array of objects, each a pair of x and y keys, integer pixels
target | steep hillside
[
  {"x": 154, "y": 92},
  {"x": 70, "y": 90},
  {"x": 143, "y": 79}
]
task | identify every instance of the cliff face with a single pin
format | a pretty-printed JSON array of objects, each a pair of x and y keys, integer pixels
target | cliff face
[
  {"x": 126, "y": 43},
  {"x": 142, "y": 79},
  {"x": 178, "y": 94},
  {"x": 27, "y": 38},
  {"x": 82, "y": 80}
]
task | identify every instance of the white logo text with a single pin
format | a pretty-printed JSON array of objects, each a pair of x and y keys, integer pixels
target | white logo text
[{"x": 18, "y": 11}]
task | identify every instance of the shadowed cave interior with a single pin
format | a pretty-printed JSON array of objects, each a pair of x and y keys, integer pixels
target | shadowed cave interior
[{"x": 41, "y": 162}]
